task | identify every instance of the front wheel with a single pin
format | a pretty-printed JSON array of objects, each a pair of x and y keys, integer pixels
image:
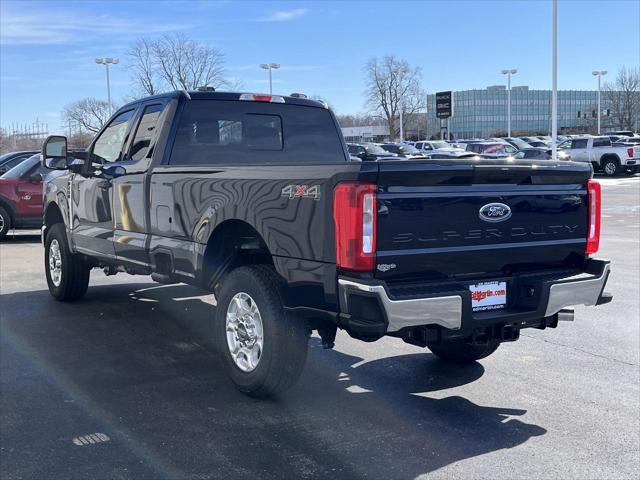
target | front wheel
[
  {"x": 67, "y": 273},
  {"x": 263, "y": 347},
  {"x": 458, "y": 351},
  {"x": 5, "y": 222}
]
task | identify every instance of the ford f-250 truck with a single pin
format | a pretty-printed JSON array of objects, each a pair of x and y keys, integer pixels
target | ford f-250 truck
[{"x": 254, "y": 197}]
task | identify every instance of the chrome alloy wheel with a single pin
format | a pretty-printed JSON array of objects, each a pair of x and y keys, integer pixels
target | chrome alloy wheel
[
  {"x": 610, "y": 168},
  {"x": 55, "y": 262},
  {"x": 244, "y": 332},
  {"x": 1, "y": 222}
]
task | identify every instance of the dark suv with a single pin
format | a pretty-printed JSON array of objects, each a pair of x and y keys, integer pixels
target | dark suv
[{"x": 21, "y": 196}]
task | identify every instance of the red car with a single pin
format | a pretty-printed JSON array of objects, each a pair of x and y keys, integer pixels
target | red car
[{"x": 21, "y": 196}]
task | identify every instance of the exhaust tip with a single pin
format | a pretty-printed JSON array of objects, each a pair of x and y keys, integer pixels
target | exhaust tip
[{"x": 566, "y": 315}]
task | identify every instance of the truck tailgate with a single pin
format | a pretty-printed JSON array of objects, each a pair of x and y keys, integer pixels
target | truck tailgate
[{"x": 449, "y": 218}]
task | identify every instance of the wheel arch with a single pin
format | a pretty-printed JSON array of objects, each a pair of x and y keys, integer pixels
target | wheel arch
[
  {"x": 53, "y": 215},
  {"x": 8, "y": 206},
  {"x": 610, "y": 156},
  {"x": 231, "y": 244}
]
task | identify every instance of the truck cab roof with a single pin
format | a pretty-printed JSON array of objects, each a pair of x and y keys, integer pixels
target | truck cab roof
[{"x": 211, "y": 95}]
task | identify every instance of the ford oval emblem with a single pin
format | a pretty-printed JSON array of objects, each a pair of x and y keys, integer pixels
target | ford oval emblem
[{"x": 495, "y": 212}]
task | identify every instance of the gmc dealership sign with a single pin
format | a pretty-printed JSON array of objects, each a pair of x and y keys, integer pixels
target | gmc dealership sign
[{"x": 444, "y": 104}]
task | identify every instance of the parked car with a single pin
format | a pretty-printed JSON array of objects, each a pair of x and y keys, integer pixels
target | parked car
[
  {"x": 626, "y": 141},
  {"x": 621, "y": 133},
  {"x": 604, "y": 156},
  {"x": 541, "y": 154},
  {"x": 21, "y": 196},
  {"x": 11, "y": 159},
  {"x": 518, "y": 143},
  {"x": 442, "y": 148},
  {"x": 492, "y": 149},
  {"x": 429, "y": 145},
  {"x": 408, "y": 152},
  {"x": 261, "y": 205},
  {"x": 369, "y": 152}
]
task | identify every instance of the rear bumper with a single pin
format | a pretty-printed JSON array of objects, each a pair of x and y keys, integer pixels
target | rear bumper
[{"x": 370, "y": 309}]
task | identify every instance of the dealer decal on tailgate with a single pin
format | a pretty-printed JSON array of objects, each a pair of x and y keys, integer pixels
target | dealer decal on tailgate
[{"x": 488, "y": 295}]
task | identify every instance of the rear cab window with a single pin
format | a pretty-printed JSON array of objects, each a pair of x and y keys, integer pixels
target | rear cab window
[
  {"x": 238, "y": 132},
  {"x": 601, "y": 142}
]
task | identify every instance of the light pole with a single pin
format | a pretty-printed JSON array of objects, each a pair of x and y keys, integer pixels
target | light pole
[
  {"x": 106, "y": 61},
  {"x": 270, "y": 66},
  {"x": 554, "y": 82},
  {"x": 599, "y": 74},
  {"x": 508, "y": 73}
]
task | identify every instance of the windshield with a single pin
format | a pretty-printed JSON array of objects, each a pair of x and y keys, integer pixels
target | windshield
[
  {"x": 19, "y": 170},
  {"x": 519, "y": 143},
  {"x": 410, "y": 149},
  {"x": 375, "y": 149},
  {"x": 440, "y": 145}
]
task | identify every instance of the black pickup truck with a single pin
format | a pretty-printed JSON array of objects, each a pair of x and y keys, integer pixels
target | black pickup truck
[{"x": 254, "y": 197}]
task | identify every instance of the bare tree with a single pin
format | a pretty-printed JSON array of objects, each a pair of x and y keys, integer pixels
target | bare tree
[
  {"x": 623, "y": 98},
  {"x": 359, "y": 120},
  {"x": 89, "y": 114},
  {"x": 393, "y": 84},
  {"x": 143, "y": 66},
  {"x": 175, "y": 62}
]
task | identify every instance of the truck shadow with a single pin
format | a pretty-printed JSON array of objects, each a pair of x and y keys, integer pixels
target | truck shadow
[
  {"x": 138, "y": 353},
  {"x": 20, "y": 237}
]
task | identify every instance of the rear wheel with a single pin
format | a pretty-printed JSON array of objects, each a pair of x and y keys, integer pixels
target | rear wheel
[
  {"x": 5, "y": 222},
  {"x": 610, "y": 167},
  {"x": 263, "y": 348},
  {"x": 458, "y": 351},
  {"x": 67, "y": 273}
]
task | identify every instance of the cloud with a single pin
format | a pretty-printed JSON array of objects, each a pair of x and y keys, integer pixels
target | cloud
[
  {"x": 285, "y": 15},
  {"x": 60, "y": 27}
]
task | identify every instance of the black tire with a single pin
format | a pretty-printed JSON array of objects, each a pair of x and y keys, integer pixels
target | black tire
[
  {"x": 74, "y": 272},
  {"x": 457, "y": 351},
  {"x": 5, "y": 222},
  {"x": 610, "y": 167},
  {"x": 285, "y": 337}
]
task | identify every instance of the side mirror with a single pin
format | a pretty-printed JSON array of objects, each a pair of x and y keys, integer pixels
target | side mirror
[
  {"x": 54, "y": 152},
  {"x": 36, "y": 177}
]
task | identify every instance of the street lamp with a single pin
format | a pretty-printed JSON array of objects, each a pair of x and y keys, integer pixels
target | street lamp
[
  {"x": 106, "y": 61},
  {"x": 599, "y": 74},
  {"x": 508, "y": 73},
  {"x": 270, "y": 66},
  {"x": 554, "y": 80}
]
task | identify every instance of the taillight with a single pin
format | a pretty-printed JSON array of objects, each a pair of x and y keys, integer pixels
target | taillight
[
  {"x": 593, "y": 233},
  {"x": 630, "y": 151},
  {"x": 354, "y": 214}
]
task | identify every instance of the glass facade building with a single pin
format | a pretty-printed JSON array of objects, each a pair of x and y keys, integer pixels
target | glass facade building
[{"x": 483, "y": 113}]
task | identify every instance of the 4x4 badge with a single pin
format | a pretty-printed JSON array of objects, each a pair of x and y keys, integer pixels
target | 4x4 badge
[{"x": 302, "y": 191}]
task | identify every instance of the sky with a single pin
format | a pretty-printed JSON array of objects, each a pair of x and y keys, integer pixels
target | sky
[{"x": 47, "y": 49}]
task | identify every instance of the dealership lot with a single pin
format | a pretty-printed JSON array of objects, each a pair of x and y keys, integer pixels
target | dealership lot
[{"x": 123, "y": 384}]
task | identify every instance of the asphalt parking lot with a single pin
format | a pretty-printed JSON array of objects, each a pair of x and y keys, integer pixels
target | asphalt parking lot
[{"x": 131, "y": 364}]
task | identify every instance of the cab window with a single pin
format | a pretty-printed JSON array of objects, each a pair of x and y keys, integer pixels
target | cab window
[
  {"x": 108, "y": 146},
  {"x": 141, "y": 146}
]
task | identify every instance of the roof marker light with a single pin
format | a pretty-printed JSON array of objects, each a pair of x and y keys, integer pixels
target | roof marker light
[{"x": 261, "y": 97}]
